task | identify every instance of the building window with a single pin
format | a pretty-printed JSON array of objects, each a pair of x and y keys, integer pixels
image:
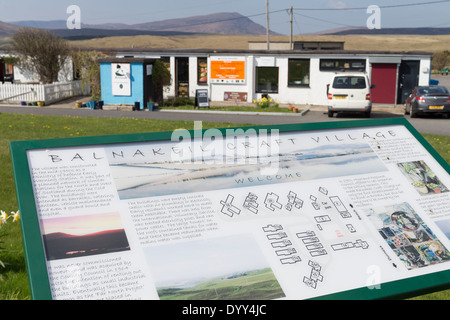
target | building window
[
  {"x": 202, "y": 70},
  {"x": 298, "y": 72},
  {"x": 267, "y": 79},
  {"x": 6, "y": 71},
  {"x": 342, "y": 64}
]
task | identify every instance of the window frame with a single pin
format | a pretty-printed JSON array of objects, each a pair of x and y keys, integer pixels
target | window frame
[
  {"x": 337, "y": 64},
  {"x": 299, "y": 85},
  {"x": 200, "y": 70},
  {"x": 258, "y": 84}
]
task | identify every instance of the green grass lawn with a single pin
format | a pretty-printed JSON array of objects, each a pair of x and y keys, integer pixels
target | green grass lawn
[{"x": 13, "y": 278}]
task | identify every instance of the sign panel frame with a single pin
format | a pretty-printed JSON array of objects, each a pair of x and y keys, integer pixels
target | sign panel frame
[{"x": 35, "y": 253}]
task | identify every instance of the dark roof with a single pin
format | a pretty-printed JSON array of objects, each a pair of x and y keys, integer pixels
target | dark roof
[
  {"x": 126, "y": 60},
  {"x": 169, "y": 51}
]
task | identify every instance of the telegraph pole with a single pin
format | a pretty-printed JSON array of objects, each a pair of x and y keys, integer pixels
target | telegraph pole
[
  {"x": 267, "y": 24},
  {"x": 292, "y": 18}
]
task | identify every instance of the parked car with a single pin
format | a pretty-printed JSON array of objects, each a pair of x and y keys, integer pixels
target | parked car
[
  {"x": 350, "y": 92},
  {"x": 428, "y": 99}
]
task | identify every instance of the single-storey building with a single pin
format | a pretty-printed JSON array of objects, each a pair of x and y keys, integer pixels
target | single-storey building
[
  {"x": 15, "y": 74},
  {"x": 288, "y": 76},
  {"x": 18, "y": 85}
]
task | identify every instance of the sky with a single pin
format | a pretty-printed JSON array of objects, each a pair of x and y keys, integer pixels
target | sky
[
  {"x": 309, "y": 16},
  {"x": 204, "y": 259},
  {"x": 82, "y": 225}
]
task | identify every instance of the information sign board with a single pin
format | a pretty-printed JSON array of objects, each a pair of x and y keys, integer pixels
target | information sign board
[
  {"x": 336, "y": 210},
  {"x": 228, "y": 70},
  {"x": 201, "y": 98},
  {"x": 235, "y": 96},
  {"x": 121, "y": 79}
]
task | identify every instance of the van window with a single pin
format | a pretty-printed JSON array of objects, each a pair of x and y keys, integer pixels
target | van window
[{"x": 349, "y": 82}]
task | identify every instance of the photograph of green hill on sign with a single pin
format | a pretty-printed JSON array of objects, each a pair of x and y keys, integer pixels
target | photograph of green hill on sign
[{"x": 230, "y": 268}]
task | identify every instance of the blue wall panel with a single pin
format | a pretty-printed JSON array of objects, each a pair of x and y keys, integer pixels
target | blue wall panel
[{"x": 137, "y": 85}]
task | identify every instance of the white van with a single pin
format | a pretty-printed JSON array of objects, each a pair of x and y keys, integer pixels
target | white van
[{"x": 349, "y": 92}]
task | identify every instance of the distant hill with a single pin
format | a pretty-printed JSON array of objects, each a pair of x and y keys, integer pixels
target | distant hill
[
  {"x": 52, "y": 24},
  {"x": 7, "y": 29},
  {"x": 61, "y": 245},
  {"x": 391, "y": 31},
  {"x": 92, "y": 33},
  {"x": 230, "y": 23},
  {"x": 333, "y": 31}
]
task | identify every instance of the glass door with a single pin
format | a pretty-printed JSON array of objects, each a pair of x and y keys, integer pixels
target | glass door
[{"x": 182, "y": 77}]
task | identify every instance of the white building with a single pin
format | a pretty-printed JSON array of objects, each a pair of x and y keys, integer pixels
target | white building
[
  {"x": 288, "y": 76},
  {"x": 19, "y": 85},
  {"x": 16, "y": 74}
]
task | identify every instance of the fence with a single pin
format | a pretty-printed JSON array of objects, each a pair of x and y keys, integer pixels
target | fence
[{"x": 49, "y": 93}]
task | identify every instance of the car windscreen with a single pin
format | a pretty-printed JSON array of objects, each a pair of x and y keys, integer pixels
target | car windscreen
[
  {"x": 349, "y": 82},
  {"x": 433, "y": 91}
]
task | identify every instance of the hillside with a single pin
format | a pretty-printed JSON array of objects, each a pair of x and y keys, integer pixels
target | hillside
[
  {"x": 230, "y": 23},
  {"x": 219, "y": 23},
  {"x": 93, "y": 33},
  {"x": 240, "y": 42},
  {"x": 7, "y": 30},
  {"x": 394, "y": 31},
  {"x": 229, "y": 30}
]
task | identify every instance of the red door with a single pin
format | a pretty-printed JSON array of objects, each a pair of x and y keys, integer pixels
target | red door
[{"x": 384, "y": 77}]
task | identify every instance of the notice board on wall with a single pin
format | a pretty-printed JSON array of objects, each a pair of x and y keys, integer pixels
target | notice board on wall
[
  {"x": 228, "y": 70},
  {"x": 344, "y": 210},
  {"x": 121, "y": 79}
]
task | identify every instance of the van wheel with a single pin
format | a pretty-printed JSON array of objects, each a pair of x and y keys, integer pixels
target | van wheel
[{"x": 330, "y": 114}]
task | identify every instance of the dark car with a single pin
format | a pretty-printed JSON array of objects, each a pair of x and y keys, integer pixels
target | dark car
[{"x": 428, "y": 99}]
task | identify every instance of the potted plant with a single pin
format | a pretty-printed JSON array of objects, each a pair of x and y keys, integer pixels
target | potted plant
[
  {"x": 434, "y": 187},
  {"x": 420, "y": 186}
]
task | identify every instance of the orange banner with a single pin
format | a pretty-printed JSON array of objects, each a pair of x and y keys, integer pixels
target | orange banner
[{"x": 227, "y": 70}]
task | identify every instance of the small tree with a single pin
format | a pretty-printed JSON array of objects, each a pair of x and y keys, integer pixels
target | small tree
[
  {"x": 87, "y": 65},
  {"x": 40, "y": 52},
  {"x": 160, "y": 78}
]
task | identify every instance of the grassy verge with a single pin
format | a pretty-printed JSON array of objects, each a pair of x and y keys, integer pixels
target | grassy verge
[
  {"x": 13, "y": 279},
  {"x": 232, "y": 109}
]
